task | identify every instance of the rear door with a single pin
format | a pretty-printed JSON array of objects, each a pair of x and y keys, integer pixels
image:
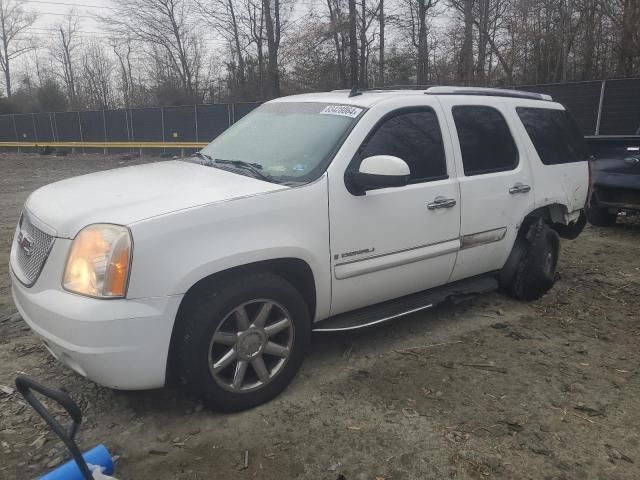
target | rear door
[{"x": 495, "y": 181}]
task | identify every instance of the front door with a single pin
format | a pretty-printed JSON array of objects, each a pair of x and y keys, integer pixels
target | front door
[{"x": 396, "y": 241}]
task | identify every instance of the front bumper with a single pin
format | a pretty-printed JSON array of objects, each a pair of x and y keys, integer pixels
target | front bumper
[{"x": 120, "y": 344}]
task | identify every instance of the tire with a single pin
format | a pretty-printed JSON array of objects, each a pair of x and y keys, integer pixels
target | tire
[
  {"x": 601, "y": 217},
  {"x": 530, "y": 271},
  {"x": 210, "y": 352}
]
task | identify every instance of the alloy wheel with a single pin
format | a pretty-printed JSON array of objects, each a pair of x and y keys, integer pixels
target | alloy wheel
[{"x": 251, "y": 346}]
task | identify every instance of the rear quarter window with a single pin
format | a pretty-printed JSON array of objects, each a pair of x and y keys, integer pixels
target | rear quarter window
[{"x": 554, "y": 134}]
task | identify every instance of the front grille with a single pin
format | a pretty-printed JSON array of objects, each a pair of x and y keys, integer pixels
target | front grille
[{"x": 32, "y": 247}]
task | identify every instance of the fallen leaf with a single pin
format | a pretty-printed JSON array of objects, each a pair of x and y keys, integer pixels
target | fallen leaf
[{"x": 6, "y": 390}]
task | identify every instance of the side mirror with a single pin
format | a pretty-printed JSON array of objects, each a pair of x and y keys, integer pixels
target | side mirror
[{"x": 379, "y": 171}]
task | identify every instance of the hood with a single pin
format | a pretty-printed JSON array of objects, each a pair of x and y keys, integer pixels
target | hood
[{"x": 126, "y": 195}]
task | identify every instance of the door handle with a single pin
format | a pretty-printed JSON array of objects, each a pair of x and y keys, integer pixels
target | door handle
[
  {"x": 519, "y": 188},
  {"x": 441, "y": 202}
]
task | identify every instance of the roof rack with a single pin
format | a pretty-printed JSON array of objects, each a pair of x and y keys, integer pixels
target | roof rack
[
  {"x": 384, "y": 88},
  {"x": 491, "y": 92}
]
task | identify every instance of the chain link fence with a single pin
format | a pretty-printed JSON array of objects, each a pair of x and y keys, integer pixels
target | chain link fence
[
  {"x": 609, "y": 107},
  {"x": 189, "y": 123}
]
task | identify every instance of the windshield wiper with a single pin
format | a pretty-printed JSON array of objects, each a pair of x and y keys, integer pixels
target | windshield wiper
[
  {"x": 207, "y": 160},
  {"x": 254, "y": 168},
  {"x": 239, "y": 163}
]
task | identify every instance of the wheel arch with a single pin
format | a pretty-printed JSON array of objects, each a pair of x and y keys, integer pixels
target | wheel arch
[
  {"x": 558, "y": 217},
  {"x": 295, "y": 270},
  {"x": 553, "y": 214}
]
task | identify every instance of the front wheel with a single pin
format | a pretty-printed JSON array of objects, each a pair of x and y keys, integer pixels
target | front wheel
[{"x": 243, "y": 341}]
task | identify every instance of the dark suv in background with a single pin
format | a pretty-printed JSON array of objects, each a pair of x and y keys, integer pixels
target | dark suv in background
[{"x": 615, "y": 171}]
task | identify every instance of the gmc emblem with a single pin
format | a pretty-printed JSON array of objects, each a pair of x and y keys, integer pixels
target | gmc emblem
[{"x": 26, "y": 243}]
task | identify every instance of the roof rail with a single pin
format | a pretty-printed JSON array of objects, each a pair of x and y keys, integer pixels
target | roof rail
[
  {"x": 383, "y": 88},
  {"x": 491, "y": 92}
]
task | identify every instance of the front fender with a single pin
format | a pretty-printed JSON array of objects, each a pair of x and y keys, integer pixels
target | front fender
[{"x": 174, "y": 251}]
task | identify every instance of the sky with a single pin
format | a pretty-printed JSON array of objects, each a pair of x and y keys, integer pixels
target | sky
[{"x": 52, "y": 12}]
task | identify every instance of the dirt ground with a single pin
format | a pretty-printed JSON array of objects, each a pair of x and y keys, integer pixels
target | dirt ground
[{"x": 491, "y": 388}]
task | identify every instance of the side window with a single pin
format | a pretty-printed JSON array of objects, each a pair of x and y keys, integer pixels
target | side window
[
  {"x": 415, "y": 137},
  {"x": 554, "y": 134},
  {"x": 485, "y": 140}
]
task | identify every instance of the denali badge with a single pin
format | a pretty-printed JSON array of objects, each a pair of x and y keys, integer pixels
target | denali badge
[
  {"x": 26, "y": 243},
  {"x": 353, "y": 254}
]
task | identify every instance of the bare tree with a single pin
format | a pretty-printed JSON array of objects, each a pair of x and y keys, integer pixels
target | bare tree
[
  {"x": 223, "y": 16},
  {"x": 367, "y": 17},
  {"x": 338, "y": 27},
  {"x": 164, "y": 26},
  {"x": 381, "y": 27},
  {"x": 14, "y": 21},
  {"x": 255, "y": 21},
  {"x": 353, "y": 42},
  {"x": 625, "y": 15},
  {"x": 417, "y": 24},
  {"x": 273, "y": 24},
  {"x": 483, "y": 20},
  {"x": 482, "y": 15},
  {"x": 158, "y": 47},
  {"x": 466, "y": 52},
  {"x": 97, "y": 68},
  {"x": 63, "y": 52},
  {"x": 123, "y": 50}
]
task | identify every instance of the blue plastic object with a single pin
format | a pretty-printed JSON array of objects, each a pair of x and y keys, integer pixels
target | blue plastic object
[{"x": 69, "y": 471}]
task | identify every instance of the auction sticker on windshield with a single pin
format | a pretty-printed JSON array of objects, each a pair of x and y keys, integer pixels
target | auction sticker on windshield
[{"x": 343, "y": 110}]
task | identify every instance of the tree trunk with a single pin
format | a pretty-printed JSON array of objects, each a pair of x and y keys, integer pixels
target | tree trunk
[
  {"x": 353, "y": 44},
  {"x": 626, "y": 48},
  {"x": 591, "y": 22},
  {"x": 423, "y": 47},
  {"x": 241, "y": 66},
  {"x": 363, "y": 45},
  {"x": 7, "y": 72},
  {"x": 482, "y": 41},
  {"x": 273, "y": 74},
  {"x": 334, "y": 17},
  {"x": 466, "y": 54},
  {"x": 381, "y": 46},
  {"x": 257, "y": 29},
  {"x": 261, "y": 68}
]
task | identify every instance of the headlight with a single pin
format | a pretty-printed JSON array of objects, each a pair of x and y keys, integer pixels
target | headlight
[{"x": 99, "y": 261}]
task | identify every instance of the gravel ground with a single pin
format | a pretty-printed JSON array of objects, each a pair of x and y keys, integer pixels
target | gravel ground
[{"x": 490, "y": 388}]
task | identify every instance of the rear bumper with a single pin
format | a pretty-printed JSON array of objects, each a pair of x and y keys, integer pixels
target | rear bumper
[
  {"x": 120, "y": 344},
  {"x": 614, "y": 197}
]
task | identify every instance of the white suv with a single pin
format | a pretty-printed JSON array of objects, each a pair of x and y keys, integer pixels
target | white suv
[{"x": 327, "y": 211}]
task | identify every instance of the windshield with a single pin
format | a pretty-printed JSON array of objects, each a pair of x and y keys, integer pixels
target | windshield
[{"x": 288, "y": 141}]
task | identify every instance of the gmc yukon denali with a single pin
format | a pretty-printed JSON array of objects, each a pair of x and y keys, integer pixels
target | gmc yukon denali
[{"x": 327, "y": 212}]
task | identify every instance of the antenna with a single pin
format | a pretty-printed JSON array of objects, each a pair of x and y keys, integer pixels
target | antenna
[{"x": 354, "y": 92}]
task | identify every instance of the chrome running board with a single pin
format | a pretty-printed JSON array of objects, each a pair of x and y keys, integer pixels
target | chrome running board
[{"x": 400, "y": 307}]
